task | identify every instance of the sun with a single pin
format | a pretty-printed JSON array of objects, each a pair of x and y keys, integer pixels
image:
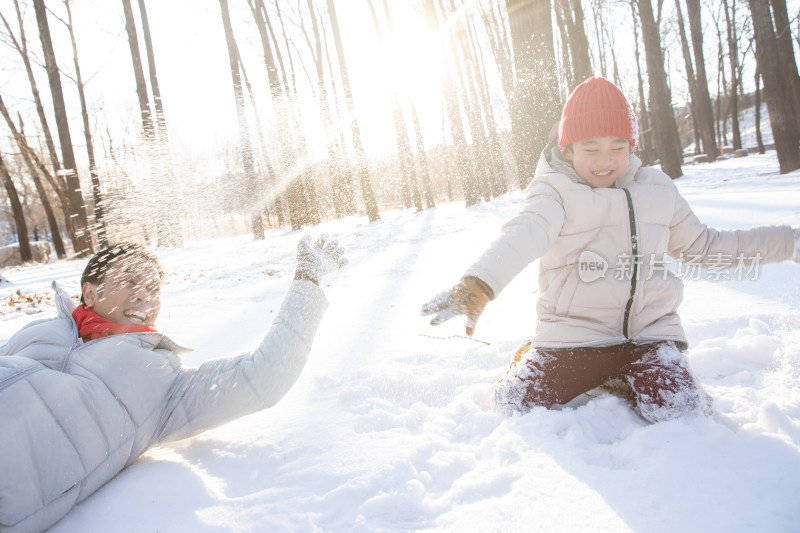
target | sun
[{"x": 405, "y": 67}]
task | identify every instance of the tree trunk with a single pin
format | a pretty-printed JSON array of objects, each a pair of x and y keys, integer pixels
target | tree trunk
[
  {"x": 572, "y": 12},
  {"x": 423, "y": 160},
  {"x": 24, "y": 149},
  {"x": 245, "y": 146},
  {"x": 302, "y": 198},
  {"x": 467, "y": 82},
  {"x": 161, "y": 121},
  {"x": 497, "y": 182},
  {"x": 100, "y": 226},
  {"x": 16, "y": 210},
  {"x": 733, "y": 56},
  {"x": 722, "y": 115},
  {"x": 465, "y": 173},
  {"x": 342, "y": 191},
  {"x": 277, "y": 98},
  {"x": 599, "y": 34},
  {"x": 498, "y": 40},
  {"x": 783, "y": 36},
  {"x": 687, "y": 61},
  {"x": 138, "y": 71},
  {"x": 705, "y": 114},
  {"x": 645, "y": 133},
  {"x": 664, "y": 126},
  {"x": 77, "y": 208},
  {"x": 759, "y": 138},
  {"x": 367, "y": 193},
  {"x": 535, "y": 105},
  {"x": 22, "y": 48},
  {"x": 342, "y": 169},
  {"x": 779, "y": 102}
]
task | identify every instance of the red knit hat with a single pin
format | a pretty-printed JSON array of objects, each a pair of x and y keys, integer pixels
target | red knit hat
[{"x": 597, "y": 108}]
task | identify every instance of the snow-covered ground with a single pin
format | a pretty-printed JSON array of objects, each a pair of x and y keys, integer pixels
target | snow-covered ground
[{"x": 390, "y": 428}]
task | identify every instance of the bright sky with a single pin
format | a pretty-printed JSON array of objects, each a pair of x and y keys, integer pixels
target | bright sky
[{"x": 194, "y": 72}]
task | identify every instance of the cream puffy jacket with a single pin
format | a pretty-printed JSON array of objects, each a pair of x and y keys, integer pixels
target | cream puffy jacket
[{"x": 602, "y": 275}]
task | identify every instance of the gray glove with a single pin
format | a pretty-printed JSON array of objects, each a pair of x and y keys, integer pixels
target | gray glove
[{"x": 315, "y": 261}]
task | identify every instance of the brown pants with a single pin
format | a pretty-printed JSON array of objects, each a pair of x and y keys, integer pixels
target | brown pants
[{"x": 663, "y": 385}]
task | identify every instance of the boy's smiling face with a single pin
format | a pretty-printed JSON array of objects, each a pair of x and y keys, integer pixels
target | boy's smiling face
[{"x": 599, "y": 160}]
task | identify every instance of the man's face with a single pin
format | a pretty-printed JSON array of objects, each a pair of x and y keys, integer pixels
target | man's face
[
  {"x": 130, "y": 293},
  {"x": 599, "y": 160}
]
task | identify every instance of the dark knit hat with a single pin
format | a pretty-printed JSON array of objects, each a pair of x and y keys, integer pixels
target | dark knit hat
[{"x": 597, "y": 108}]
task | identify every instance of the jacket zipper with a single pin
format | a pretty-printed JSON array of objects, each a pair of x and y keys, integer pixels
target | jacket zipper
[{"x": 634, "y": 261}]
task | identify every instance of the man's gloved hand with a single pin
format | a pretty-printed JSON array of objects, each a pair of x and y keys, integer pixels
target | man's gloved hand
[
  {"x": 315, "y": 261},
  {"x": 468, "y": 297}
]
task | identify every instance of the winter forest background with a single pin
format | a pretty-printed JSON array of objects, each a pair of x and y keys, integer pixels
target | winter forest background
[{"x": 165, "y": 121}]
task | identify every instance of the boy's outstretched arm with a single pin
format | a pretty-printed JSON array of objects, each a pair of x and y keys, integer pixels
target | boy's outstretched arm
[
  {"x": 222, "y": 390},
  {"x": 523, "y": 239}
]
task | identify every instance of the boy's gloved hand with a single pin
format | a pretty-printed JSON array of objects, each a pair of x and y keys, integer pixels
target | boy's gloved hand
[
  {"x": 796, "y": 256},
  {"x": 315, "y": 261},
  {"x": 468, "y": 297}
]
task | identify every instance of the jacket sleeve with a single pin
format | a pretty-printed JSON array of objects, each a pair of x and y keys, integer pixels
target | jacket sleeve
[
  {"x": 692, "y": 241},
  {"x": 222, "y": 390},
  {"x": 523, "y": 239}
]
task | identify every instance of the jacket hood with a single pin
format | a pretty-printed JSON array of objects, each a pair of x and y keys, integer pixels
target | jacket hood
[{"x": 552, "y": 161}]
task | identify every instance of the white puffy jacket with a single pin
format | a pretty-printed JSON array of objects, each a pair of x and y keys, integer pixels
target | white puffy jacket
[
  {"x": 602, "y": 278},
  {"x": 74, "y": 414}
]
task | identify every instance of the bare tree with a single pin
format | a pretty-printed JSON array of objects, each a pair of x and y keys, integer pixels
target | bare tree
[
  {"x": 690, "y": 77},
  {"x": 344, "y": 201},
  {"x": 77, "y": 208},
  {"x": 138, "y": 71},
  {"x": 278, "y": 96},
  {"x": 422, "y": 158},
  {"x": 25, "y": 150},
  {"x": 783, "y": 36},
  {"x": 361, "y": 159},
  {"x": 645, "y": 133},
  {"x": 409, "y": 186},
  {"x": 245, "y": 145},
  {"x": 16, "y": 210},
  {"x": 21, "y": 46},
  {"x": 535, "y": 103},
  {"x": 759, "y": 138},
  {"x": 301, "y": 195},
  {"x": 571, "y": 15},
  {"x": 464, "y": 170},
  {"x": 466, "y": 70},
  {"x": 100, "y": 226},
  {"x": 705, "y": 115},
  {"x": 779, "y": 103},
  {"x": 664, "y": 127},
  {"x": 729, "y": 7},
  {"x": 57, "y": 182},
  {"x": 161, "y": 121}
]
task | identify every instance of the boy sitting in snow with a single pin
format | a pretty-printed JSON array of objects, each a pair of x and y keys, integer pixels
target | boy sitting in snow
[
  {"x": 602, "y": 226},
  {"x": 85, "y": 394}
]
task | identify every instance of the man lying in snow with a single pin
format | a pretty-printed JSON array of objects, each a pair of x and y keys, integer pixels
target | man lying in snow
[{"x": 83, "y": 395}]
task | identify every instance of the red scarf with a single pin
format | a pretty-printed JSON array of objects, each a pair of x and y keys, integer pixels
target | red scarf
[{"x": 93, "y": 326}]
